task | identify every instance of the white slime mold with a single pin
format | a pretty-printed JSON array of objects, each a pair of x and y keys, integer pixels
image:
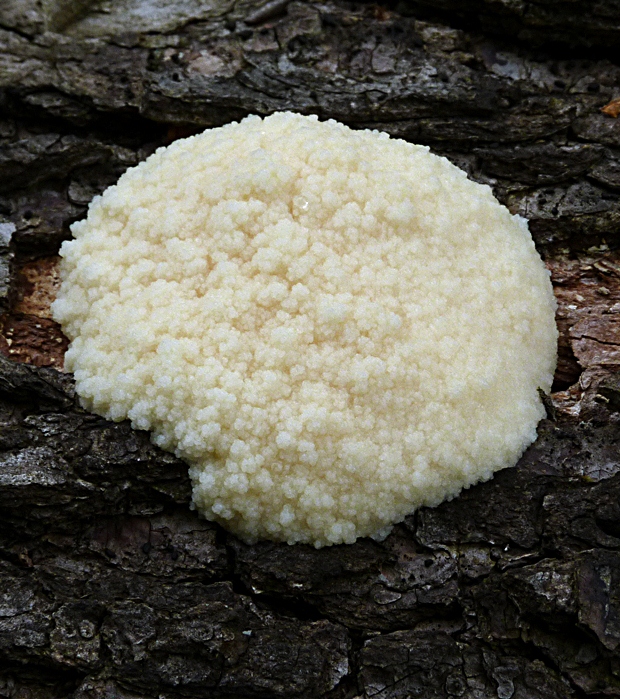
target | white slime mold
[{"x": 331, "y": 327}]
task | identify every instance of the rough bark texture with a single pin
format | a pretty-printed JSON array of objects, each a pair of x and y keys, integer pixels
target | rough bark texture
[{"x": 110, "y": 587}]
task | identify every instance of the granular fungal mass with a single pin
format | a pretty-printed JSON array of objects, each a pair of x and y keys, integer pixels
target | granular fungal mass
[{"x": 331, "y": 327}]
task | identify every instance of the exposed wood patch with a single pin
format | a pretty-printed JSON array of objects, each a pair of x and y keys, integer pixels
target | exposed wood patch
[
  {"x": 27, "y": 332},
  {"x": 612, "y": 108},
  {"x": 588, "y": 317},
  {"x": 33, "y": 340},
  {"x": 37, "y": 285}
]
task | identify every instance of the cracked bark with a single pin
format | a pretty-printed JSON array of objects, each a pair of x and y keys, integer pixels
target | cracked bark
[{"x": 109, "y": 585}]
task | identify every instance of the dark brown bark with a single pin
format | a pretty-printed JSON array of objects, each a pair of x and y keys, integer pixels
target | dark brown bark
[{"x": 109, "y": 585}]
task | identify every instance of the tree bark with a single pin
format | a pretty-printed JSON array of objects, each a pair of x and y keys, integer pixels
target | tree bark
[{"x": 110, "y": 587}]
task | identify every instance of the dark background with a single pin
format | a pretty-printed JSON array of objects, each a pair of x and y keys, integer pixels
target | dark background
[{"x": 110, "y": 587}]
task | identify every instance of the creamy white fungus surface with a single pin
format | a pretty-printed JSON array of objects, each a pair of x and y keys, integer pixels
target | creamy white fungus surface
[{"x": 331, "y": 327}]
